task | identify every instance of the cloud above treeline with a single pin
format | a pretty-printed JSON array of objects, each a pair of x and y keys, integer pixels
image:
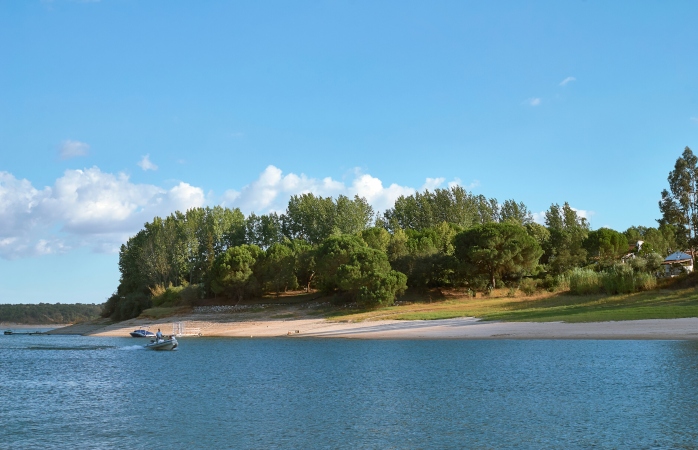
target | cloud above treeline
[
  {"x": 100, "y": 210},
  {"x": 71, "y": 149},
  {"x": 272, "y": 189},
  {"x": 146, "y": 164},
  {"x": 83, "y": 208},
  {"x": 539, "y": 217}
]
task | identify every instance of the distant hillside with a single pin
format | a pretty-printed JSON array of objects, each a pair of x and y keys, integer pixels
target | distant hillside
[{"x": 46, "y": 313}]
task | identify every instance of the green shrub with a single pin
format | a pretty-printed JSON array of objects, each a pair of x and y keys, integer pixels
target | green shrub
[
  {"x": 562, "y": 282},
  {"x": 191, "y": 294},
  {"x": 528, "y": 286},
  {"x": 123, "y": 307},
  {"x": 174, "y": 296},
  {"x": 645, "y": 282},
  {"x": 554, "y": 283},
  {"x": 166, "y": 297},
  {"x": 130, "y": 305},
  {"x": 638, "y": 264},
  {"x": 617, "y": 279},
  {"x": 584, "y": 282},
  {"x": 647, "y": 262},
  {"x": 622, "y": 279}
]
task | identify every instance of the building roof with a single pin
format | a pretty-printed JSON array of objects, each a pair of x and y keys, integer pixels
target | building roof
[{"x": 678, "y": 257}]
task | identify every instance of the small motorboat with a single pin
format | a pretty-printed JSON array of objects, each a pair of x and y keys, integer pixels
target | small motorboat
[
  {"x": 142, "y": 333},
  {"x": 8, "y": 332},
  {"x": 162, "y": 344}
]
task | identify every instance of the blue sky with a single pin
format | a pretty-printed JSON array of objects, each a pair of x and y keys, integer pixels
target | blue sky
[{"x": 114, "y": 111}]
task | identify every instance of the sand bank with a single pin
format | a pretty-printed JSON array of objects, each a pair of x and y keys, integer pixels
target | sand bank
[{"x": 461, "y": 328}]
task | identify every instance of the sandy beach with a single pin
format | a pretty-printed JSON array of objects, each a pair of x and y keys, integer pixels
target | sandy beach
[{"x": 460, "y": 328}]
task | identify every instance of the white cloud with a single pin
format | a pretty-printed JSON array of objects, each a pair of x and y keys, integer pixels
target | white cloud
[
  {"x": 457, "y": 182},
  {"x": 432, "y": 183},
  {"x": 471, "y": 186},
  {"x": 567, "y": 80},
  {"x": 99, "y": 210},
  {"x": 583, "y": 213},
  {"x": 71, "y": 149},
  {"x": 539, "y": 217},
  {"x": 83, "y": 208},
  {"x": 534, "y": 101},
  {"x": 272, "y": 189},
  {"x": 146, "y": 164},
  {"x": 380, "y": 197}
]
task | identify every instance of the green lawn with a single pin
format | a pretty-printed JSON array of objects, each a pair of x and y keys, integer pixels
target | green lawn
[{"x": 658, "y": 304}]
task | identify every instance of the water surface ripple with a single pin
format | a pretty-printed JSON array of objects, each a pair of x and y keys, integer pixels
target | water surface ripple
[{"x": 81, "y": 392}]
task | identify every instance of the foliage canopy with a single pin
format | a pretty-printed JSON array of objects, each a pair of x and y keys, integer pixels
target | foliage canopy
[{"x": 496, "y": 251}]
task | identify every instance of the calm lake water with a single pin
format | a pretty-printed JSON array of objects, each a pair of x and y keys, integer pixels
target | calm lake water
[{"x": 82, "y": 392}]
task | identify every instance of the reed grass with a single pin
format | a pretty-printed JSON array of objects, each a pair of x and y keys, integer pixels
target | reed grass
[
  {"x": 585, "y": 282},
  {"x": 615, "y": 280}
]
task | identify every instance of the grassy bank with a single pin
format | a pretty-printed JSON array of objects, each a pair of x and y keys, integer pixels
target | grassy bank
[
  {"x": 545, "y": 307},
  {"x": 676, "y": 298}
]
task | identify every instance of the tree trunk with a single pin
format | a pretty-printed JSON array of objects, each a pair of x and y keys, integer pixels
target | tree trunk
[{"x": 307, "y": 289}]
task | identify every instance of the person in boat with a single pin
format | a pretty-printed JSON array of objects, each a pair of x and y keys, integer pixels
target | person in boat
[{"x": 158, "y": 336}]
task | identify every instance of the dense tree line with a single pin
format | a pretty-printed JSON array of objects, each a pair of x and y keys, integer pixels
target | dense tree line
[
  {"x": 432, "y": 239},
  {"x": 45, "y": 313}
]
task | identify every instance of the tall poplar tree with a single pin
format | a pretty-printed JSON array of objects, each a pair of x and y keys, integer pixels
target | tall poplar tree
[
  {"x": 679, "y": 205},
  {"x": 564, "y": 248}
]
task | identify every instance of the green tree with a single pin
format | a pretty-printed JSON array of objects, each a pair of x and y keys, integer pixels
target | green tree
[
  {"x": 421, "y": 251},
  {"x": 679, "y": 205},
  {"x": 348, "y": 267},
  {"x": 539, "y": 233},
  {"x": 278, "y": 269},
  {"x": 515, "y": 212},
  {"x": 234, "y": 228},
  {"x": 568, "y": 231},
  {"x": 454, "y": 205},
  {"x": 132, "y": 278},
  {"x": 377, "y": 238},
  {"x": 428, "y": 209},
  {"x": 605, "y": 245},
  {"x": 314, "y": 219},
  {"x": 397, "y": 246},
  {"x": 487, "y": 209},
  {"x": 661, "y": 240},
  {"x": 425, "y": 256},
  {"x": 263, "y": 231},
  {"x": 352, "y": 216},
  {"x": 233, "y": 275},
  {"x": 304, "y": 266},
  {"x": 496, "y": 251}
]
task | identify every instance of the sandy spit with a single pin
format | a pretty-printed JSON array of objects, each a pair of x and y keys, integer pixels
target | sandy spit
[{"x": 461, "y": 328}]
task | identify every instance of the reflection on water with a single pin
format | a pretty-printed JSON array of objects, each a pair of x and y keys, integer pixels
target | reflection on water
[{"x": 294, "y": 393}]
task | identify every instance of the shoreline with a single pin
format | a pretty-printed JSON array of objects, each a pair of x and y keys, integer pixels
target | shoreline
[
  {"x": 11, "y": 325},
  {"x": 466, "y": 328}
]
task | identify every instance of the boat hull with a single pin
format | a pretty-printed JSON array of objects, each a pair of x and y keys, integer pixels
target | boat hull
[
  {"x": 142, "y": 333},
  {"x": 168, "y": 344}
]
